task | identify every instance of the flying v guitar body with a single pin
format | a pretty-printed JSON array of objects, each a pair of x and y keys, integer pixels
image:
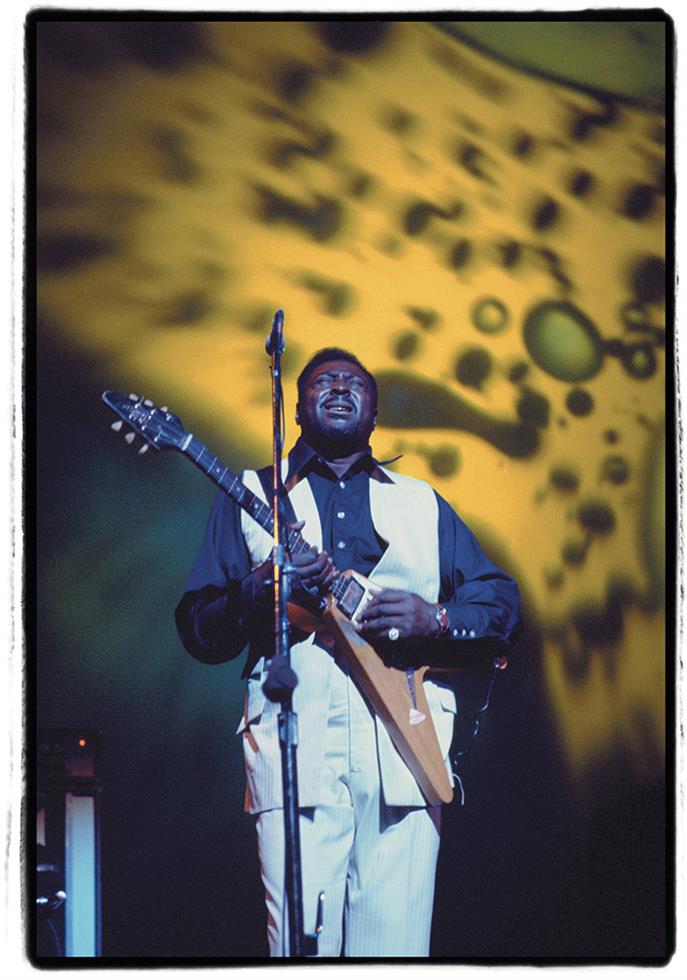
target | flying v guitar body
[{"x": 397, "y": 695}]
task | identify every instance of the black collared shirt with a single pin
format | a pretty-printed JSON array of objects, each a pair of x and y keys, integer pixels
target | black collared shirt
[
  {"x": 343, "y": 505},
  {"x": 221, "y": 609}
]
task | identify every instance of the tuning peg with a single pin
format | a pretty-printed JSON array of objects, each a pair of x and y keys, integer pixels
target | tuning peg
[
  {"x": 117, "y": 425},
  {"x": 164, "y": 409},
  {"x": 129, "y": 437},
  {"x": 147, "y": 402},
  {"x": 144, "y": 449},
  {"x": 134, "y": 398}
]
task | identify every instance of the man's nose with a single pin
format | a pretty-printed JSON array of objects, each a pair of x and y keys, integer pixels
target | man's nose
[{"x": 341, "y": 383}]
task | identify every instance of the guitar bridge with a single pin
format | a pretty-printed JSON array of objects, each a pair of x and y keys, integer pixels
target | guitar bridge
[{"x": 350, "y": 600}]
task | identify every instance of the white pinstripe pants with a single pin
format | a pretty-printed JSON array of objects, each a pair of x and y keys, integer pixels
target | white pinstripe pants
[{"x": 376, "y": 864}]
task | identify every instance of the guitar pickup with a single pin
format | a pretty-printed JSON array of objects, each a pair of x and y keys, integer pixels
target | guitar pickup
[{"x": 348, "y": 603}]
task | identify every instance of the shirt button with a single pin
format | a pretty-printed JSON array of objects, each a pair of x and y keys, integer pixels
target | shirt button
[
  {"x": 342, "y": 484},
  {"x": 341, "y": 544},
  {"x": 471, "y": 634},
  {"x": 341, "y": 514}
]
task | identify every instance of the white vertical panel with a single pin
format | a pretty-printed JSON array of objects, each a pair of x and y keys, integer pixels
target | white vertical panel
[{"x": 80, "y": 876}]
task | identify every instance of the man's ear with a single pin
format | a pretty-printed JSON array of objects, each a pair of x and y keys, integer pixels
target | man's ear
[
  {"x": 298, "y": 418},
  {"x": 374, "y": 419}
]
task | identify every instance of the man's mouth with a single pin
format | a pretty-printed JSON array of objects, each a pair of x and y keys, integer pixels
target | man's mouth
[{"x": 338, "y": 407}]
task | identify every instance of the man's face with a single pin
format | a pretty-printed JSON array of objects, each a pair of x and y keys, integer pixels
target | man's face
[{"x": 337, "y": 411}]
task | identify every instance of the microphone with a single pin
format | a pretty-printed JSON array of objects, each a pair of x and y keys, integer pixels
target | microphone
[{"x": 275, "y": 342}]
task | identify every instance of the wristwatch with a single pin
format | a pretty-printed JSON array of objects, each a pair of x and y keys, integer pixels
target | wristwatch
[{"x": 442, "y": 619}]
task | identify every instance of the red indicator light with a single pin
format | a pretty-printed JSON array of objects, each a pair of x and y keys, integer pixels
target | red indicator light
[{"x": 82, "y": 742}]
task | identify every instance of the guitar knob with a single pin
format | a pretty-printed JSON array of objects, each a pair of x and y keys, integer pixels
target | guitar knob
[
  {"x": 147, "y": 402},
  {"x": 117, "y": 425},
  {"x": 164, "y": 409},
  {"x": 129, "y": 437},
  {"x": 144, "y": 449},
  {"x": 134, "y": 398}
]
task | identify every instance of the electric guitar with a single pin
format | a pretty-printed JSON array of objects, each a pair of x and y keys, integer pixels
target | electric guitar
[{"x": 396, "y": 693}]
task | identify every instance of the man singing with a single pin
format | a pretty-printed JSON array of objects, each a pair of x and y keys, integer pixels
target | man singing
[{"x": 369, "y": 840}]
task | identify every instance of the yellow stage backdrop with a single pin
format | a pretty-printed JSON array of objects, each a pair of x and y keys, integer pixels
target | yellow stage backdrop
[{"x": 489, "y": 240}]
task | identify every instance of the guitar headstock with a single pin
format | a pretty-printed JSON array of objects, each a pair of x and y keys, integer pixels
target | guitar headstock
[{"x": 160, "y": 428}]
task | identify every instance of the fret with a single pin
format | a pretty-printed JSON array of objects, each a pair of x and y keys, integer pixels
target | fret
[
  {"x": 257, "y": 510},
  {"x": 230, "y": 486},
  {"x": 263, "y": 512},
  {"x": 215, "y": 470},
  {"x": 203, "y": 450},
  {"x": 194, "y": 449},
  {"x": 296, "y": 542}
]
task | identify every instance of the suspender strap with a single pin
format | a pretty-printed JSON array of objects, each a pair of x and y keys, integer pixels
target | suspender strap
[{"x": 265, "y": 477}]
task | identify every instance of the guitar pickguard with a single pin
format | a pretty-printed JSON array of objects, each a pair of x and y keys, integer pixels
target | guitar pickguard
[{"x": 406, "y": 717}]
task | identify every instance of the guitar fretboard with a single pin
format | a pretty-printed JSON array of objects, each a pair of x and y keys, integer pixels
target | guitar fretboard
[{"x": 248, "y": 501}]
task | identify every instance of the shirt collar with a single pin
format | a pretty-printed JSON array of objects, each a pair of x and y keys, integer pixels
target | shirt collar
[{"x": 303, "y": 457}]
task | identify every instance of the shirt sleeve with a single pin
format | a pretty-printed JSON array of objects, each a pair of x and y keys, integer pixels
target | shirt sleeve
[
  {"x": 218, "y": 612},
  {"x": 481, "y": 600}
]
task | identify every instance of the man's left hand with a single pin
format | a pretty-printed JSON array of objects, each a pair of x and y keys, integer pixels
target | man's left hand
[{"x": 410, "y": 614}]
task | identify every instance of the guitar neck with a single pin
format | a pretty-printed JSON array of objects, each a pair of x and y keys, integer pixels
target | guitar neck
[
  {"x": 220, "y": 474},
  {"x": 248, "y": 501}
]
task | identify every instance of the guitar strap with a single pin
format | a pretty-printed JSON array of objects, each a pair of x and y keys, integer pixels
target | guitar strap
[{"x": 265, "y": 477}]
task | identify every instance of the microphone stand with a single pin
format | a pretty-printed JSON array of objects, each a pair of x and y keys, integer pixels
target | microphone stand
[{"x": 281, "y": 679}]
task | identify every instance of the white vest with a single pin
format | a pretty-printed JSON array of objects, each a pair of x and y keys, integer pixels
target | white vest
[{"x": 405, "y": 514}]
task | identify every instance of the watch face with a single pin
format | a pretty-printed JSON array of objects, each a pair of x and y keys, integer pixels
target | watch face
[{"x": 442, "y": 619}]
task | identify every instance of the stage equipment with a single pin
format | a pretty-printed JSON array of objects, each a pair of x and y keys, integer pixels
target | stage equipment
[{"x": 67, "y": 896}]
